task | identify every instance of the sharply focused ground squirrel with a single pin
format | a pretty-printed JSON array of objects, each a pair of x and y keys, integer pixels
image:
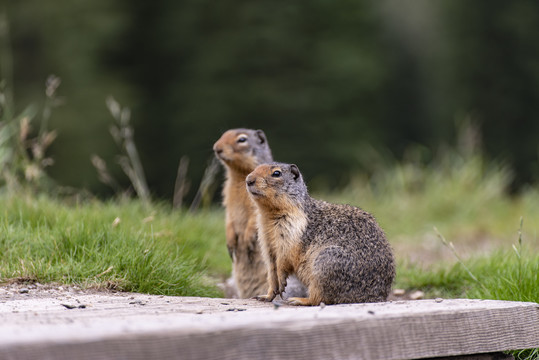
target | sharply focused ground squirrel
[
  {"x": 338, "y": 251},
  {"x": 240, "y": 151}
]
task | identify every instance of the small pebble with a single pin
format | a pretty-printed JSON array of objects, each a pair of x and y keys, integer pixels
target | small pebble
[
  {"x": 137, "y": 302},
  {"x": 70, "y": 307},
  {"x": 399, "y": 292},
  {"x": 417, "y": 295},
  {"x": 23, "y": 291},
  {"x": 438, "y": 300}
]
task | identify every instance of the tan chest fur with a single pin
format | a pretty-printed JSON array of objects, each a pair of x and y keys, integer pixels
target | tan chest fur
[
  {"x": 281, "y": 235},
  {"x": 241, "y": 212}
]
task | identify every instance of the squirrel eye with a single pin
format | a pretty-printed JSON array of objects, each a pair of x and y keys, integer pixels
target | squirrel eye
[
  {"x": 242, "y": 139},
  {"x": 276, "y": 173}
]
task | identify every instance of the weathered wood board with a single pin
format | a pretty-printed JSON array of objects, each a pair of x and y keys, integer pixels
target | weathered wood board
[{"x": 129, "y": 326}]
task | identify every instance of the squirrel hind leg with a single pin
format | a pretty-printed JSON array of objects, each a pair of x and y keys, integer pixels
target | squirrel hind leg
[
  {"x": 300, "y": 301},
  {"x": 314, "y": 298}
]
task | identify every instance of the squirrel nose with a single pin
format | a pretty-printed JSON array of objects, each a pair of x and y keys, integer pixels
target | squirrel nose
[
  {"x": 217, "y": 149},
  {"x": 250, "y": 181}
]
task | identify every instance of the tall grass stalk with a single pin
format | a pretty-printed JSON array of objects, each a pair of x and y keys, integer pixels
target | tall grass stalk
[
  {"x": 182, "y": 184},
  {"x": 450, "y": 245},
  {"x": 205, "y": 190},
  {"x": 518, "y": 251},
  {"x": 123, "y": 134},
  {"x": 23, "y": 157}
]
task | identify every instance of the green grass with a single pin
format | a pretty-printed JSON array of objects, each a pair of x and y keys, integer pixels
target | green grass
[
  {"x": 151, "y": 250},
  {"x": 156, "y": 250},
  {"x": 500, "y": 276},
  {"x": 461, "y": 195},
  {"x": 466, "y": 198}
]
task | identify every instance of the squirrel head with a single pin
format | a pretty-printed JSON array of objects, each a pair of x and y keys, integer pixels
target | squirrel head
[
  {"x": 243, "y": 149},
  {"x": 277, "y": 186}
]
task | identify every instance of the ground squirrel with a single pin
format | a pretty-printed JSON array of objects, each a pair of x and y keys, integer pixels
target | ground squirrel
[
  {"x": 240, "y": 151},
  {"x": 338, "y": 251}
]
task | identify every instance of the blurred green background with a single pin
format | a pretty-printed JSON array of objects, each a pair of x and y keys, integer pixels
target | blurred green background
[{"x": 328, "y": 81}]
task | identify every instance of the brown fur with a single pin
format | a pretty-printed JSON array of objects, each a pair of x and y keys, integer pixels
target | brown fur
[
  {"x": 338, "y": 251},
  {"x": 240, "y": 157}
]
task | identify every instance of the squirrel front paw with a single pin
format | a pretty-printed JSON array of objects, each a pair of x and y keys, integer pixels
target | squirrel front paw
[{"x": 265, "y": 298}]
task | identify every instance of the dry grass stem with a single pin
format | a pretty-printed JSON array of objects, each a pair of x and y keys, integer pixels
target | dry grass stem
[{"x": 181, "y": 186}]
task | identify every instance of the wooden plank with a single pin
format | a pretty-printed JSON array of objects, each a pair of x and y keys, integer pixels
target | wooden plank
[{"x": 151, "y": 327}]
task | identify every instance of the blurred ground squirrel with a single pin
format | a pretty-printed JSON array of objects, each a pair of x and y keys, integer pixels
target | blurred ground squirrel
[
  {"x": 240, "y": 151},
  {"x": 338, "y": 251}
]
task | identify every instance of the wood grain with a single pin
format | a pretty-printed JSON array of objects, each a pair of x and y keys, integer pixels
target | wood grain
[{"x": 119, "y": 327}]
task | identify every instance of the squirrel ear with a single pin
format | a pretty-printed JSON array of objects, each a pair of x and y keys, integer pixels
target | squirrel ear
[
  {"x": 261, "y": 136},
  {"x": 295, "y": 171}
]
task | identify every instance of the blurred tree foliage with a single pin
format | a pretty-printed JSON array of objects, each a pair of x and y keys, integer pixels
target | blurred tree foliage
[
  {"x": 326, "y": 80},
  {"x": 495, "y": 53}
]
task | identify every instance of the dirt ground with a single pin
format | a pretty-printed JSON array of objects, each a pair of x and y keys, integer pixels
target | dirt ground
[{"x": 68, "y": 296}]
